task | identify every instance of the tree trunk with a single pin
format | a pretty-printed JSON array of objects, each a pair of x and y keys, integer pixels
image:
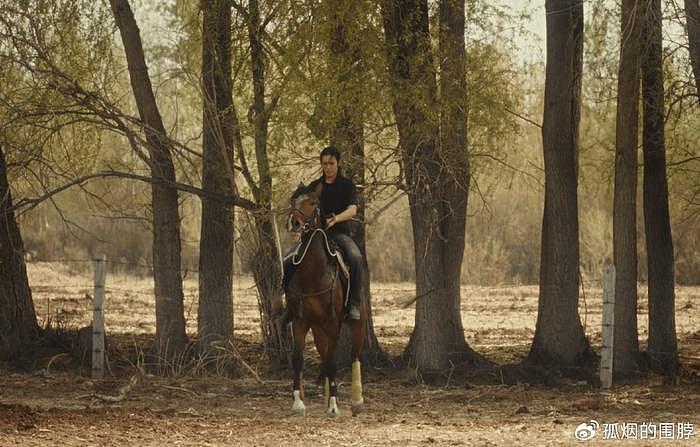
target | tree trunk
[
  {"x": 215, "y": 315},
  {"x": 559, "y": 337},
  {"x": 345, "y": 64},
  {"x": 662, "y": 348},
  {"x": 267, "y": 269},
  {"x": 170, "y": 319},
  {"x": 438, "y": 336},
  {"x": 455, "y": 176},
  {"x": 18, "y": 327},
  {"x": 626, "y": 343},
  {"x": 692, "y": 18},
  {"x": 267, "y": 275}
]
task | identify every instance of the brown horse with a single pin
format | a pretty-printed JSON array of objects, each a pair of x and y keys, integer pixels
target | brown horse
[{"x": 315, "y": 298}]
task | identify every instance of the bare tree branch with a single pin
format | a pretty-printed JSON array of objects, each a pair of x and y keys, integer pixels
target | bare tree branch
[{"x": 241, "y": 202}]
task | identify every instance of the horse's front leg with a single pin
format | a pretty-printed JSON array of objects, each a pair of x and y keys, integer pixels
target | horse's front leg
[
  {"x": 299, "y": 331},
  {"x": 321, "y": 342},
  {"x": 330, "y": 369}
]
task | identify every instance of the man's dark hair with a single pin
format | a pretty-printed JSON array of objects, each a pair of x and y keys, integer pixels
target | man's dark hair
[{"x": 330, "y": 150}]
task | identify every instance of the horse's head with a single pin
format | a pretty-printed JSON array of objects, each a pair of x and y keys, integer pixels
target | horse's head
[{"x": 305, "y": 213}]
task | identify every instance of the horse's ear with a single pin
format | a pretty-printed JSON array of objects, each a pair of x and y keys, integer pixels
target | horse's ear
[
  {"x": 318, "y": 189},
  {"x": 297, "y": 192}
]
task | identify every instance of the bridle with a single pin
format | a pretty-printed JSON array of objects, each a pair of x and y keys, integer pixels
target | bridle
[{"x": 310, "y": 222}]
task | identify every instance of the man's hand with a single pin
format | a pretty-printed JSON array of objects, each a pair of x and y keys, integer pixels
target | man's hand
[{"x": 331, "y": 221}]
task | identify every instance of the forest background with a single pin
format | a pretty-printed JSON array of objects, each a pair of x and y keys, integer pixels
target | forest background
[{"x": 505, "y": 77}]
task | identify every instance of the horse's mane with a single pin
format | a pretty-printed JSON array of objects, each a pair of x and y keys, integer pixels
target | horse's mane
[{"x": 301, "y": 189}]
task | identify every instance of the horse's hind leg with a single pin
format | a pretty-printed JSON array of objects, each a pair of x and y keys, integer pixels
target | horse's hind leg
[
  {"x": 299, "y": 330},
  {"x": 357, "y": 329}
]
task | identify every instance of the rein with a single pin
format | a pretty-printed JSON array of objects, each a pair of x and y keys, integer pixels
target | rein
[
  {"x": 320, "y": 292},
  {"x": 308, "y": 244},
  {"x": 297, "y": 261}
]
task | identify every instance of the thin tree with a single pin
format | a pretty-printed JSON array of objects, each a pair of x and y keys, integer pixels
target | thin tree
[
  {"x": 692, "y": 18},
  {"x": 347, "y": 69},
  {"x": 215, "y": 315},
  {"x": 18, "y": 327},
  {"x": 626, "y": 343},
  {"x": 559, "y": 337},
  {"x": 170, "y": 320},
  {"x": 265, "y": 258},
  {"x": 662, "y": 347}
]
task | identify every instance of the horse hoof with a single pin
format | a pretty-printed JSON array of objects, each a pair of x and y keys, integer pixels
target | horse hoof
[
  {"x": 332, "y": 407},
  {"x": 357, "y": 407},
  {"x": 299, "y": 408}
]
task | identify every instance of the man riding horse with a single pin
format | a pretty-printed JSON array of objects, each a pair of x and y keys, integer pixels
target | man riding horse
[{"x": 338, "y": 200}]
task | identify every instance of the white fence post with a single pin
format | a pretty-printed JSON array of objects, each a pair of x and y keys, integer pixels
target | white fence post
[
  {"x": 608, "y": 329},
  {"x": 98, "y": 324}
]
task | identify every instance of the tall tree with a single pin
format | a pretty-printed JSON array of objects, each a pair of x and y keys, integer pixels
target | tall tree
[
  {"x": 692, "y": 18},
  {"x": 662, "y": 347},
  {"x": 215, "y": 315},
  {"x": 559, "y": 337},
  {"x": 453, "y": 149},
  {"x": 347, "y": 68},
  {"x": 626, "y": 342},
  {"x": 18, "y": 327},
  {"x": 170, "y": 320},
  {"x": 436, "y": 210}
]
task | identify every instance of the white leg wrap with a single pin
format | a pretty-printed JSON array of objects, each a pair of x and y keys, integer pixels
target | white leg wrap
[
  {"x": 356, "y": 399},
  {"x": 333, "y": 407},
  {"x": 356, "y": 383},
  {"x": 298, "y": 406}
]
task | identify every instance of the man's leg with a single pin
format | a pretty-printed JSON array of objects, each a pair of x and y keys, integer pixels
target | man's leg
[{"x": 354, "y": 259}]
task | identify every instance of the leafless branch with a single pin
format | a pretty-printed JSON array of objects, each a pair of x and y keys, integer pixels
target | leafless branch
[{"x": 227, "y": 199}]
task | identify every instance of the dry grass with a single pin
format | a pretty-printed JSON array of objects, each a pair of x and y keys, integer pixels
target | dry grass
[{"x": 59, "y": 406}]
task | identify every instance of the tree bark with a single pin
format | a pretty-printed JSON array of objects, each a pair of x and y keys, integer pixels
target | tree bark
[
  {"x": 215, "y": 315},
  {"x": 692, "y": 18},
  {"x": 626, "y": 342},
  {"x": 170, "y": 319},
  {"x": 438, "y": 236},
  {"x": 559, "y": 337},
  {"x": 18, "y": 327},
  {"x": 455, "y": 176},
  {"x": 266, "y": 270},
  {"x": 346, "y": 66},
  {"x": 662, "y": 347}
]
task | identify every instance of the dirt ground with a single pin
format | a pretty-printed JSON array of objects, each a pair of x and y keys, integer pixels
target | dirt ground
[{"x": 50, "y": 400}]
